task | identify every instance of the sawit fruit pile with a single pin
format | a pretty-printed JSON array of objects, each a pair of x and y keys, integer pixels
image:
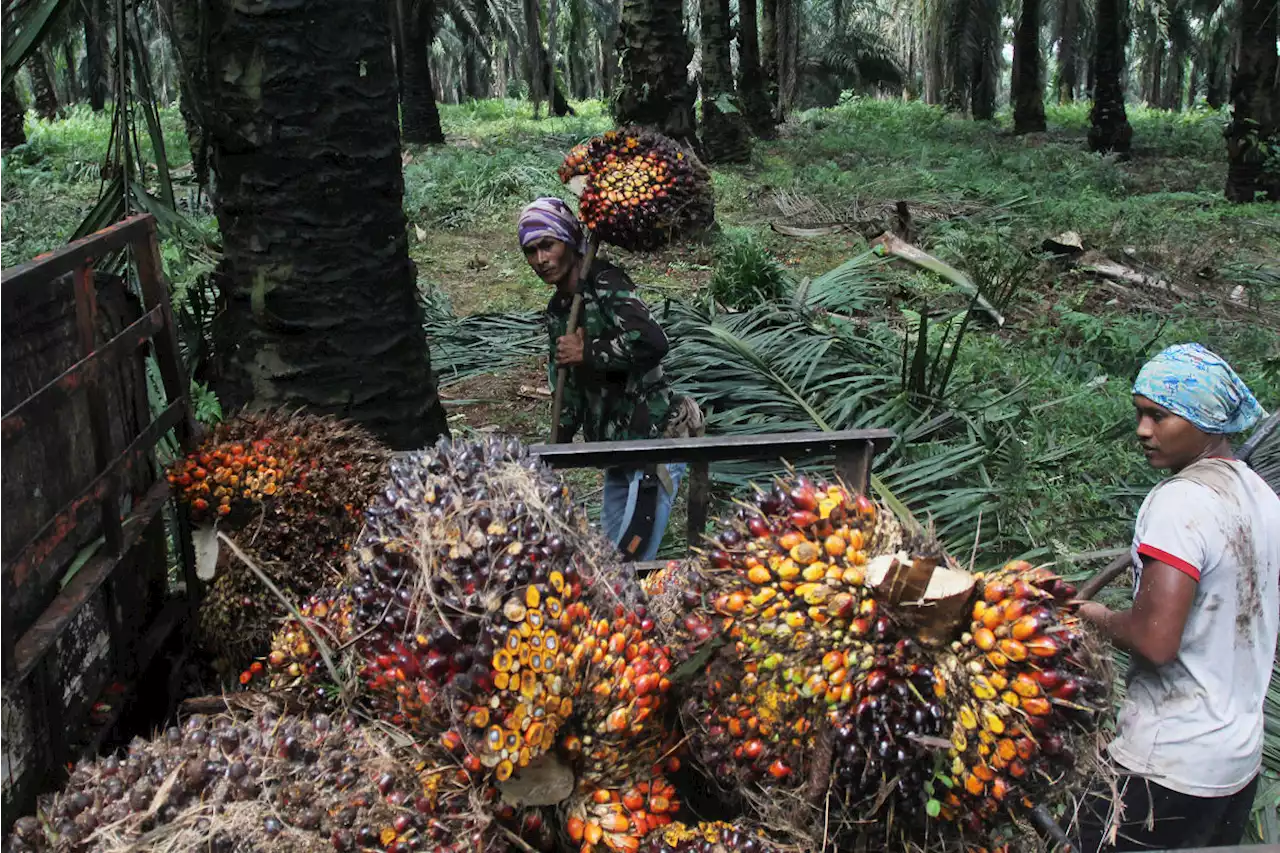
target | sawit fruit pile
[
  {"x": 516, "y": 688},
  {"x": 265, "y": 782},
  {"x": 641, "y": 189},
  {"x": 856, "y": 683},
  {"x": 291, "y": 491}
]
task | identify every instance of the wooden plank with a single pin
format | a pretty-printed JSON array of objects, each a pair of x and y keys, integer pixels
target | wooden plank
[
  {"x": 853, "y": 465},
  {"x": 45, "y": 268},
  {"x": 41, "y": 636},
  {"x": 34, "y": 554},
  {"x": 86, "y": 296},
  {"x": 155, "y": 293},
  {"x": 699, "y": 501},
  {"x": 88, "y": 369},
  {"x": 711, "y": 448}
]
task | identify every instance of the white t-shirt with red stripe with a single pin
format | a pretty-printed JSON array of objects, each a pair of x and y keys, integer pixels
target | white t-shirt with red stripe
[{"x": 1195, "y": 725}]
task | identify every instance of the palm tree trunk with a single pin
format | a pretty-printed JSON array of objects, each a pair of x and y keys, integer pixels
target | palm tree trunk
[
  {"x": 610, "y": 45},
  {"x": 579, "y": 82},
  {"x": 1174, "y": 80},
  {"x": 1068, "y": 51},
  {"x": 1028, "y": 77},
  {"x": 95, "y": 51},
  {"x": 419, "y": 114},
  {"x": 751, "y": 85},
  {"x": 323, "y": 308},
  {"x": 1109, "y": 128},
  {"x": 725, "y": 135},
  {"x": 1254, "y": 132},
  {"x": 769, "y": 54},
  {"x": 532, "y": 49},
  {"x": 788, "y": 38},
  {"x": 42, "y": 91},
  {"x": 13, "y": 115},
  {"x": 74, "y": 95},
  {"x": 1156, "y": 61},
  {"x": 984, "y": 77},
  {"x": 549, "y": 62},
  {"x": 653, "y": 88}
]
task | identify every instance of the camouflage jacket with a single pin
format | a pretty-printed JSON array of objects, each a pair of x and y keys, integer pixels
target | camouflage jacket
[{"x": 619, "y": 391}]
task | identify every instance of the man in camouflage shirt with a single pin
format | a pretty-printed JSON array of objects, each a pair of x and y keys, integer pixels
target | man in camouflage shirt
[{"x": 615, "y": 390}]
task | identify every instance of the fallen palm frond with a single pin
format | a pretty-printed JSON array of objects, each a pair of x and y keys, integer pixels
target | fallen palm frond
[{"x": 463, "y": 347}]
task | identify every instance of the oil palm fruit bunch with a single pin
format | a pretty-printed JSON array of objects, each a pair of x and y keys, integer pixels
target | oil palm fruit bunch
[
  {"x": 787, "y": 577},
  {"x": 262, "y": 783},
  {"x": 295, "y": 661},
  {"x": 290, "y": 489},
  {"x": 1030, "y": 679},
  {"x": 640, "y": 188},
  {"x": 468, "y": 613},
  {"x": 620, "y": 727},
  {"x": 711, "y": 837},
  {"x": 619, "y": 818}
]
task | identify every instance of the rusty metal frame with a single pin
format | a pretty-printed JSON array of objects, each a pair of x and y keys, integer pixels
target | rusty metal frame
[
  {"x": 853, "y": 451},
  {"x": 27, "y": 654}
]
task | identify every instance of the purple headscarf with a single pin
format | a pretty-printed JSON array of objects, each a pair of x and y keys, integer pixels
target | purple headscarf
[{"x": 551, "y": 217}]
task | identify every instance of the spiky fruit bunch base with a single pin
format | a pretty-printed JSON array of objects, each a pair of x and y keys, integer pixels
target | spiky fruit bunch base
[
  {"x": 642, "y": 189},
  {"x": 263, "y": 783},
  {"x": 290, "y": 489}
]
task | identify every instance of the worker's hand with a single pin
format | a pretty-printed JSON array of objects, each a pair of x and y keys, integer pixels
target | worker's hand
[
  {"x": 569, "y": 349},
  {"x": 1095, "y": 613}
]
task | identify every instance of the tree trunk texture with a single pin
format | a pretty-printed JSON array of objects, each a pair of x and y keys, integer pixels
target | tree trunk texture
[
  {"x": 751, "y": 85},
  {"x": 74, "y": 93},
  {"x": 986, "y": 74},
  {"x": 1109, "y": 128},
  {"x": 474, "y": 69},
  {"x": 579, "y": 73},
  {"x": 769, "y": 54},
  {"x": 1028, "y": 75},
  {"x": 12, "y": 117},
  {"x": 182, "y": 24},
  {"x": 532, "y": 49},
  {"x": 1253, "y": 136},
  {"x": 419, "y": 113},
  {"x": 323, "y": 307},
  {"x": 549, "y": 63},
  {"x": 1155, "y": 59},
  {"x": 610, "y": 46},
  {"x": 1174, "y": 80},
  {"x": 653, "y": 88},
  {"x": 1068, "y": 50},
  {"x": 42, "y": 91},
  {"x": 788, "y": 27},
  {"x": 725, "y": 135},
  {"x": 95, "y": 53}
]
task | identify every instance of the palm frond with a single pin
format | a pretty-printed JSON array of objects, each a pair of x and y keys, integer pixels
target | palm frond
[{"x": 27, "y": 30}]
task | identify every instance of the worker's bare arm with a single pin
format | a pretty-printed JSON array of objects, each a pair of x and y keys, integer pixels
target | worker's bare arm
[{"x": 1153, "y": 626}]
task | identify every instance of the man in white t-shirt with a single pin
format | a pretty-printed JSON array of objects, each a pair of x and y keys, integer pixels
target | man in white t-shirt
[{"x": 1202, "y": 628}]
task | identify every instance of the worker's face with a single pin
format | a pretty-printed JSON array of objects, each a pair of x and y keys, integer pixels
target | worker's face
[
  {"x": 551, "y": 259},
  {"x": 1168, "y": 441}
]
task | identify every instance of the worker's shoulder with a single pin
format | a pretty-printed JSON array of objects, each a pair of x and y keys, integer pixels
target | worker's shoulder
[{"x": 608, "y": 279}]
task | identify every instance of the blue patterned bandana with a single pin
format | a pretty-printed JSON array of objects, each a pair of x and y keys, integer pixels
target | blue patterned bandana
[{"x": 1197, "y": 385}]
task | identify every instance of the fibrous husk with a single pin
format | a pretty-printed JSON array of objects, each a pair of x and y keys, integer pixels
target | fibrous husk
[
  {"x": 290, "y": 490},
  {"x": 264, "y": 782}
]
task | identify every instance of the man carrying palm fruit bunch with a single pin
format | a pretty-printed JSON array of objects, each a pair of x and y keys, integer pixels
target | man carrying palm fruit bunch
[
  {"x": 1202, "y": 628},
  {"x": 616, "y": 390}
]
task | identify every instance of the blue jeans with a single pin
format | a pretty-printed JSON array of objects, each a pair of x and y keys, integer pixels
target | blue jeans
[{"x": 621, "y": 488}]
